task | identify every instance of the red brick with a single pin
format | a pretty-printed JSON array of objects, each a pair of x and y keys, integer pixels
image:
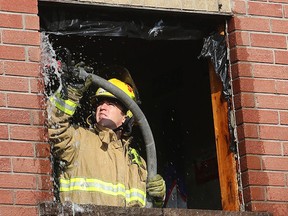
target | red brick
[
  {"x": 244, "y": 100},
  {"x": 17, "y": 181},
  {"x": 280, "y": 57},
  {"x": 274, "y": 208},
  {"x": 43, "y": 150},
  {"x": 257, "y": 193},
  {"x": 12, "y": 52},
  {"x": 273, "y": 132},
  {"x": 260, "y": 178},
  {"x": 22, "y": 69},
  {"x": 1, "y": 66},
  {"x": 264, "y": 70},
  {"x": 241, "y": 69},
  {"x": 26, "y": 101},
  {"x": 12, "y": 148},
  {"x": 3, "y": 101},
  {"x": 285, "y": 148},
  {"x": 37, "y": 85},
  {"x": 264, "y": 9},
  {"x": 238, "y": 38},
  {"x": 256, "y": 115},
  {"x": 277, "y": 1},
  {"x": 4, "y": 132},
  {"x": 247, "y": 131},
  {"x": 20, "y": 37},
  {"x": 239, "y": 7},
  {"x": 11, "y": 21},
  {"x": 260, "y": 147},
  {"x": 14, "y": 84},
  {"x": 252, "y": 55},
  {"x": 269, "y": 41},
  {"x": 5, "y": 165},
  {"x": 249, "y": 24},
  {"x": 14, "y": 210},
  {"x": 282, "y": 87},
  {"x": 254, "y": 193},
  {"x": 15, "y": 116},
  {"x": 30, "y": 6},
  {"x": 6, "y": 197},
  {"x": 45, "y": 182},
  {"x": 275, "y": 163},
  {"x": 30, "y": 133},
  {"x": 285, "y": 9},
  {"x": 251, "y": 162},
  {"x": 277, "y": 194},
  {"x": 32, "y": 22},
  {"x": 279, "y": 26},
  {"x": 272, "y": 101},
  {"x": 30, "y": 165},
  {"x": 236, "y": 86},
  {"x": 31, "y": 197},
  {"x": 34, "y": 54},
  {"x": 38, "y": 117},
  {"x": 254, "y": 85}
]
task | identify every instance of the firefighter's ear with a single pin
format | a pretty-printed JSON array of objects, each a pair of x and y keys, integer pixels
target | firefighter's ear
[
  {"x": 124, "y": 119},
  {"x": 128, "y": 125}
]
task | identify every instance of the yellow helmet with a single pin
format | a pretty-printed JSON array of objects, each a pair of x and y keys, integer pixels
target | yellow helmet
[{"x": 123, "y": 86}]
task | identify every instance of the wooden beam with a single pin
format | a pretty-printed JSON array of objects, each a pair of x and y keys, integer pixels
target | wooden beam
[{"x": 226, "y": 162}]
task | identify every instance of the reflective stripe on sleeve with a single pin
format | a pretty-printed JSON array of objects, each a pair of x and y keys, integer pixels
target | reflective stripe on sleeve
[
  {"x": 83, "y": 184},
  {"x": 67, "y": 106}
]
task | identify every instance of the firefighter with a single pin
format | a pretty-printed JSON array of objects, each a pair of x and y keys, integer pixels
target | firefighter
[{"x": 97, "y": 165}]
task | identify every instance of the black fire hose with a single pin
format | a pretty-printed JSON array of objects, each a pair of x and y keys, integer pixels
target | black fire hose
[{"x": 140, "y": 119}]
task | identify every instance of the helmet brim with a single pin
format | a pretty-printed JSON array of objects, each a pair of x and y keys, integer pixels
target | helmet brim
[{"x": 95, "y": 100}]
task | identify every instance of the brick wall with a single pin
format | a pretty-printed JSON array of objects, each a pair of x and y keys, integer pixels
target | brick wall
[
  {"x": 259, "y": 58},
  {"x": 25, "y": 168}
]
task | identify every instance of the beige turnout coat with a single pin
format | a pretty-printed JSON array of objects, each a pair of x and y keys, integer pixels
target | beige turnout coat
[{"x": 96, "y": 167}]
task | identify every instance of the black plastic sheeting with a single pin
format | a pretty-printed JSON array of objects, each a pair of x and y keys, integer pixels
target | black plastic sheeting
[
  {"x": 88, "y": 22},
  {"x": 160, "y": 30},
  {"x": 215, "y": 49}
]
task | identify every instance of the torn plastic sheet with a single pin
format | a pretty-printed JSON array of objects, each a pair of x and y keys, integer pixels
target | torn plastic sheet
[
  {"x": 62, "y": 22},
  {"x": 215, "y": 48}
]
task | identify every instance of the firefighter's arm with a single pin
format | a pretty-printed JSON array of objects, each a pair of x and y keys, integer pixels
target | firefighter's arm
[
  {"x": 60, "y": 133},
  {"x": 156, "y": 189},
  {"x": 75, "y": 80},
  {"x": 61, "y": 107}
]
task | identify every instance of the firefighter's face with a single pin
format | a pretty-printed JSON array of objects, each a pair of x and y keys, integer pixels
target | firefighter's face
[{"x": 109, "y": 114}]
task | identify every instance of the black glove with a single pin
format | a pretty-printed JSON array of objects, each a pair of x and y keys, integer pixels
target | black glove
[
  {"x": 156, "y": 189},
  {"x": 75, "y": 80}
]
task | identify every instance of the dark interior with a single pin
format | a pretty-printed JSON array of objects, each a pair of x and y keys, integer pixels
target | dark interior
[{"x": 174, "y": 89}]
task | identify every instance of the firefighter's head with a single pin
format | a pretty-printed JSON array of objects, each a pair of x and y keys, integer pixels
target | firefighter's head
[{"x": 110, "y": 111}]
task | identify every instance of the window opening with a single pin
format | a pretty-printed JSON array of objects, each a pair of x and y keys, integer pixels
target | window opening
[{"x": 170, "y": 77}]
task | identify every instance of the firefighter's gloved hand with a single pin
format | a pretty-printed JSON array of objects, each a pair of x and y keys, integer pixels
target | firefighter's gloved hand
[
  {"x": 75, "y": 92},
  {"x": 76, "y": 79},
  {"x": 77, "y": 74},
  {"x": 156, "y": 189}
]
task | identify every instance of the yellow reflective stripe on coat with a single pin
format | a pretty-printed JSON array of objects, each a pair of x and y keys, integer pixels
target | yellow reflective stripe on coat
[
  {"x": 83, "y": 184},
  {"x": 67, "y": 106}
]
